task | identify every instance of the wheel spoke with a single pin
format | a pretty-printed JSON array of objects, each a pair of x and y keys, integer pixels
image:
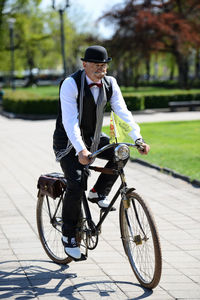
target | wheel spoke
[
  {"x": 49, "y": 220},
  {"x": 144, "y": 259},
  {"x": 141, "y": 242}
]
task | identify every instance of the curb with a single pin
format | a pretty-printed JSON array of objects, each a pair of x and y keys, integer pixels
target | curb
[
  {"x": 32, "y": 117},
  {"x": 194, "y": 182},
  {"x": 11, "y": 115}
]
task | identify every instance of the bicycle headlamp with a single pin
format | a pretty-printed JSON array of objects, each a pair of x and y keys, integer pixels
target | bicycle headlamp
[{"x": 122, "y": 152}]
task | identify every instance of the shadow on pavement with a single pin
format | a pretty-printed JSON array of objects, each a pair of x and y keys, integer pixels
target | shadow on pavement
[
  {"x": 108, "y": 289},
  {"x": 31, "y": 280}
]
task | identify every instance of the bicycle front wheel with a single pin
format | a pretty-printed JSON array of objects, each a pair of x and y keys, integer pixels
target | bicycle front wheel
[
  {"x": 49, "y": 223},
  {"x": 141, "y": 241}
]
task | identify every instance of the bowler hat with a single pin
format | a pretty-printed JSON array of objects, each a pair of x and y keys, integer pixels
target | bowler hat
[{"x": 96, "y": 54}]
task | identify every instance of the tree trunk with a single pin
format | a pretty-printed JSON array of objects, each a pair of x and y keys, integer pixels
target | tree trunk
[
  {"x": 130, "y": 72},
  {"x": 136, "y": 81},
  {"x": 31, "y": 79},
  {"x": 171, "y": 75},
  {"x": 197, "y": 64},
  {"x": 183, "y": 68},
  {"x": 148, "y": 69},
  {"x": 119, "y": 76},
  {"x": 136, "y": 76},
  {"x": 125, "y": 76}
]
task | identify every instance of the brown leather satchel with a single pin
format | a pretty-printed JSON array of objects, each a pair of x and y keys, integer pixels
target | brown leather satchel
[{"x": 51, "y": 186}]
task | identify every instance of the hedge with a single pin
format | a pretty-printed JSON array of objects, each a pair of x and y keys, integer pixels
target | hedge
[
  {"x": 133, "y": 103},
  {"x": 161, "y": 101},
  {"x": 24, "y": 103},
  {"x": 40, "y": 106}
]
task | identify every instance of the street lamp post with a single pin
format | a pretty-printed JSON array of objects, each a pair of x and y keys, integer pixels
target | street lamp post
[
  {"x": 11, "y": 22},
  {"x": 60, "y": 6}
]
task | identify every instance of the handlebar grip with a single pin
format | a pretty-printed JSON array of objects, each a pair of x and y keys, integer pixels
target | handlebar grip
[
  {"x": 141, "y": 148},
  {"x": 139, "y": 144}
]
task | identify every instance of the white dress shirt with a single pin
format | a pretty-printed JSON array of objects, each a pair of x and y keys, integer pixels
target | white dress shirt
[{"x": 68, "y": 96}]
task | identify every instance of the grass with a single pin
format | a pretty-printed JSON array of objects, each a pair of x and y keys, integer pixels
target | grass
[
  {"x": 148, "y": 91},
  {"x": 39, "y": 91},
  {"x": 174, "y": 145},
  {"x": 53, "y": 91}
]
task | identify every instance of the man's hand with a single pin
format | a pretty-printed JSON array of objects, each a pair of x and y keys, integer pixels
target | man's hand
[
  {"x": 145, "y": 150},
  {"x": 83, "y": 157}
]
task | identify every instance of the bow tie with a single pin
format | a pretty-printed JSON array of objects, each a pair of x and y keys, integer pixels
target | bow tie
[{"x": 95, "y": 83}]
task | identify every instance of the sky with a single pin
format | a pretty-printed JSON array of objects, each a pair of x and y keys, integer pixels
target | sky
[{"x": 87, "y": 11}]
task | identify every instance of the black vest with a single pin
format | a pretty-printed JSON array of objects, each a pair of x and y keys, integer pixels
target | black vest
[{"x": 88, "y": 122}]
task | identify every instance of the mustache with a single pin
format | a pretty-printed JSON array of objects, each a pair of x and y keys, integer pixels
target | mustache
[{"x": 103, "y": 72}]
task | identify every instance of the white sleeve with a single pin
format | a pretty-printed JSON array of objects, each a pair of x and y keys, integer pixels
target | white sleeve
[
  {"x": 68, "y": 96},
  {"x": 119, "y": 107}
]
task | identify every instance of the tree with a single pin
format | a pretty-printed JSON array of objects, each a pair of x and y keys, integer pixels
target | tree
[
  {"x": 23, "y": 11},
  {"x": 37, "y": 40},
  {"x": 2, "y": 6},
  {"x": 10, "y": 7},
  {"x": 144, "y": 27}
]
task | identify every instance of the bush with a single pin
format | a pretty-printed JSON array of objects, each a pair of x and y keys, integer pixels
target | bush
[
  {"x": 161, "y": 101},
  {"x": 135, "y": 102},
  {"x": 22, "y": 103}
]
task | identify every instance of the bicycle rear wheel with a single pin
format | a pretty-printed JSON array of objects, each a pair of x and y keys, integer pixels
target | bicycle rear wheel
[
  {"x": 49, "y": 224},
  {"x": 141, "y": 241}
]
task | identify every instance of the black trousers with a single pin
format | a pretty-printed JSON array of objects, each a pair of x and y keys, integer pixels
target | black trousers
[{"x": 72, "y": 170}]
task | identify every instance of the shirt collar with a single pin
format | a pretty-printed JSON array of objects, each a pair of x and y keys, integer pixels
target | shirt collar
[{"x": 90, "y": 81}]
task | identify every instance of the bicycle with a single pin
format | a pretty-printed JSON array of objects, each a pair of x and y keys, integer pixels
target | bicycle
[{"x": 139, "y": 233}]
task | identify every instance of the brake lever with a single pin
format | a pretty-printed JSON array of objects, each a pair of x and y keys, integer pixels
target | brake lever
[{"x": 91, "y": 158}]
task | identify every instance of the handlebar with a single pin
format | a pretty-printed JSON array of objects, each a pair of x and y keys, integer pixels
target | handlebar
[{"x": 114, "y": 145}]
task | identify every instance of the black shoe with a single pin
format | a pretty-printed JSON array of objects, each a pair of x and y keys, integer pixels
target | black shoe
[{"x": 71, "y": 247}]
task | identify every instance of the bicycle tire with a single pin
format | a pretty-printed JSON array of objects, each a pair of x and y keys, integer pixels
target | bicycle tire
[
  {"x": 143, "y": 249},
  {"x": 50, "y": 236}
]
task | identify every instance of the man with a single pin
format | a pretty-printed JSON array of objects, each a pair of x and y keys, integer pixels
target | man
[{"x": 83, "y": 97}]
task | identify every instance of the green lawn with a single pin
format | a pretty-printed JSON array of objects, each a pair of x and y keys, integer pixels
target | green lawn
[
  {"x": 147, "y": 91},
  {"x": 174, "y": 145},
  {"x": 53, "y": 90},
  {"x": 40, "y": 90}
]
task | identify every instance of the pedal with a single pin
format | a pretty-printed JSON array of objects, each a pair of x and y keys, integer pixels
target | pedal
[
  {"x": 83, "y": 257},
  {"x": 95, "y": 200}
]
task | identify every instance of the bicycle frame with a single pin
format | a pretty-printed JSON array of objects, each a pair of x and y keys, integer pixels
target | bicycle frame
[
  {"x": 104, "y": 212},
  {"x": 123, "y": 190}
]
